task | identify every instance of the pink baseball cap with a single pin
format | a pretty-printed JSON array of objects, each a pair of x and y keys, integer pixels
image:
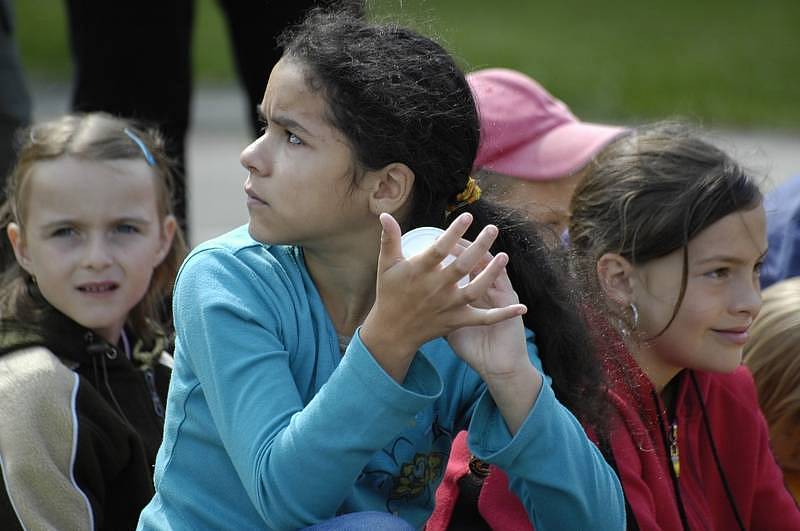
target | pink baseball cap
[{"x": 526, "y": 132}]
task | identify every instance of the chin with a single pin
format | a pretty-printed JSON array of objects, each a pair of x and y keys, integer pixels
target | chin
[
  {"x": 256, "y": 232},
  {"x": 728, "y": 364}
]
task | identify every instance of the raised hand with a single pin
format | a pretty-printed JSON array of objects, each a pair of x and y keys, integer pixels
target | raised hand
[{"x": 417, "y": 299}]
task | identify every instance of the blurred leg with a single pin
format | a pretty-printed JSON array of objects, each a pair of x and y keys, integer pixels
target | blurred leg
[
  {"x": 253, "y": 26},
  {"x": 15, "y": 109},
  {"x": 133, "y": 59},
  {"x": 363, "y": 521}
]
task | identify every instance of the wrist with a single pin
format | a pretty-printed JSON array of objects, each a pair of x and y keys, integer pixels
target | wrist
[
  {"x": 392, "y": 354},
  {"x": 522, "y": 377},
  {"x": 515, "y": 393}
]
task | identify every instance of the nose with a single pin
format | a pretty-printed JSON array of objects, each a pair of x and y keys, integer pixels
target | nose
[
  {"x": 253, "y": 157},
  {"x": 97, "y": 253},
  {"x": 747, "y": 298}
]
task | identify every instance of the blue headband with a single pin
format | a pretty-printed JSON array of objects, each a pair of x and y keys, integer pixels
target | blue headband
[{"x": 146, "y": 152}]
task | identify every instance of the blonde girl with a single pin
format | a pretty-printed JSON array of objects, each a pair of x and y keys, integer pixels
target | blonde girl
[
  {"x": 773, "y": 355},
  {"x": 83, "y": 368}
]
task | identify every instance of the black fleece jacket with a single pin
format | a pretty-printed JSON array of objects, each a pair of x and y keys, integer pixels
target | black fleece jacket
[{"x": 80, "y": 424}]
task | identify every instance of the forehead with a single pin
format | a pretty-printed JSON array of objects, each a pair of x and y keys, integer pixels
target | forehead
[
  {"x": 289, "y": 95},
  {"x": 70, "y": 187},
  {"x": 739, "y": 235}
]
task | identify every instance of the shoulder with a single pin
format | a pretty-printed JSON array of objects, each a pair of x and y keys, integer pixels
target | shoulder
[
  {"x": 32, "y": 371},
  {"x": 37, "y": 392},
  {"x": 235, "y": 262},
  {"x": 730, "y": 390},
  {"x": 237, "y": 249}
]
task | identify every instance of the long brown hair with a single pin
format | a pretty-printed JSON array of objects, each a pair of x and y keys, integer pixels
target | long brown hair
[{"x": 649, "y": 194}]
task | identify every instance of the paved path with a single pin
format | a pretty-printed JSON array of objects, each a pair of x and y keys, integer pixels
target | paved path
[{"x": 218, "y": 134}]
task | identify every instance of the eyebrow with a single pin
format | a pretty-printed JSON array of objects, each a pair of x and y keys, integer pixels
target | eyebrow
[
  {"x": 283, "y": 121},
  {"x": 728, "y": 259},
  {"x": 61, "y": 222}
]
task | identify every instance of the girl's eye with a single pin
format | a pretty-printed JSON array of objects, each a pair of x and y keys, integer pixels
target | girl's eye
[
  {"x": 63, "y": 232},
  {"x": 125, "y": 228},
  {"x": 757, "y": 268},
  {"x": 722, "y": 272},
  {"x": 293, "y": 138}
]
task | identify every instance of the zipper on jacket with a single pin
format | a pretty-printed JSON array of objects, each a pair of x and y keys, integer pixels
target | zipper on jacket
[
  {"x": 674, "y": 454},
  {"x": 669, "y": 435},
  {"x": 150, "y": 379}
]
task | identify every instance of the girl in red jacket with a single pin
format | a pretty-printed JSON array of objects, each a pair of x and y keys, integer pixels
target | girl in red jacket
[{"x": 674, "y": 231}]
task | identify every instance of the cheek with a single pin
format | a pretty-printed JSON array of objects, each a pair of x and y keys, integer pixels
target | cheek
[
  {"x": 700, "y": 310},
  {"x": 53, "y": 261}
]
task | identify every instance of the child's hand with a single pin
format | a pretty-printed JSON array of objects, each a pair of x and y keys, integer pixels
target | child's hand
[
  {"x": 417, "y": 299},
  {"x": 496, "y": 350}
]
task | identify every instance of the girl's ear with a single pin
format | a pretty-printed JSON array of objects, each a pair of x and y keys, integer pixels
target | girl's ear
[
  {"x": 390, "y": 188},
  {"x": 168, "y": 228},
  {"x": 615, "y": 275},
  {"x": 14, "y": 232}
]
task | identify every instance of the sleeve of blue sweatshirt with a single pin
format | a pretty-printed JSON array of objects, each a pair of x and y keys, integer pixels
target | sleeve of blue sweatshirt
[
  {"x": 556, "y": 471},
  {"x": 296, "y": 461}
]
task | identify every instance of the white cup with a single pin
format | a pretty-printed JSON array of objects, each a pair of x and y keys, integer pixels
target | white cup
[{"x": 417, "y": 240}]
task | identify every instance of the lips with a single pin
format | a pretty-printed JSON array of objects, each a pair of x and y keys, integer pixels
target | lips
[
  {"x": 98, "y": 287},
  {"x": 738, "y": 335},
  {"x": 252, "y": 196}
]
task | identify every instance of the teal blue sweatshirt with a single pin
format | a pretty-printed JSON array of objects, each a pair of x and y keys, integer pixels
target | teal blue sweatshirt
[{"x": 269, "y": 426}]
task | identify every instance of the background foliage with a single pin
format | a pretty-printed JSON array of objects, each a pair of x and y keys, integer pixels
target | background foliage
[{"x": 722, "y": 62}]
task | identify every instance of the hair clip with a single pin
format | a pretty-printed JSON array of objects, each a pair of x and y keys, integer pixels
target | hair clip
[
  {"x": 139, "y": 142},
  {"x": 471, "y": 193}
]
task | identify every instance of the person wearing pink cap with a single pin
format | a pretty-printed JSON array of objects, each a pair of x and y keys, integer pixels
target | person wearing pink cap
[{"x": 533, "y": 150}]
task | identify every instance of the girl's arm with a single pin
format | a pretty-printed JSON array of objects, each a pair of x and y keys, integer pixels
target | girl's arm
[
  {"x": 518, "y": 424},
  {"x": 59, "y": 449},
  {"x": 559, "y": 475},
  {"x": 297, "y": 454}
]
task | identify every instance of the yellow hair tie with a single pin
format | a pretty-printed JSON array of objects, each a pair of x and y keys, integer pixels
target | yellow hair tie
[{"x": 471, "y": 193}]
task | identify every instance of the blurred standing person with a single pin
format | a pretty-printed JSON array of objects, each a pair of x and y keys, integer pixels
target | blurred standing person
[{"x": 15, "y": 107}]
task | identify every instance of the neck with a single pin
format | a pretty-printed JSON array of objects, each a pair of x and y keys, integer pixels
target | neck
[
  {"x": 659, "y": 372},
  {"x": 346, "y": 283}
]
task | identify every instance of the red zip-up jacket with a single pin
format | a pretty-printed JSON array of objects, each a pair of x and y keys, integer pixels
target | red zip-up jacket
[
  {"x": 728, "y": 478},
  {"x": 709, "y": 467}
]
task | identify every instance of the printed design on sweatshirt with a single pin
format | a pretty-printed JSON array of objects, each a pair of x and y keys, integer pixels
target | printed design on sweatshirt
[
  {"x": 404, "y": 474},
  {"x": 416, "y": 476}
]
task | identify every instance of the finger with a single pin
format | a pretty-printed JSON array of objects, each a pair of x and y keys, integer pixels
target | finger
[
  {"x": 462, "y": 245},
  {"x": 474, "y": 256},
  {"x": 446, "y": 242},
  {"x": 391, "y": 251},
  {"x": 492, "y": 316},
  {"x": 493, "y": 274}
]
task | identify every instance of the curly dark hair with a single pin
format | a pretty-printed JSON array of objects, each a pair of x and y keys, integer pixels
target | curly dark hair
[{"x": 399, "y": 96}]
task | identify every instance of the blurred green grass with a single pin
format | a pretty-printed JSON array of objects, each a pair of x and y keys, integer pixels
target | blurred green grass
[{"x": 733, "y": 63}]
